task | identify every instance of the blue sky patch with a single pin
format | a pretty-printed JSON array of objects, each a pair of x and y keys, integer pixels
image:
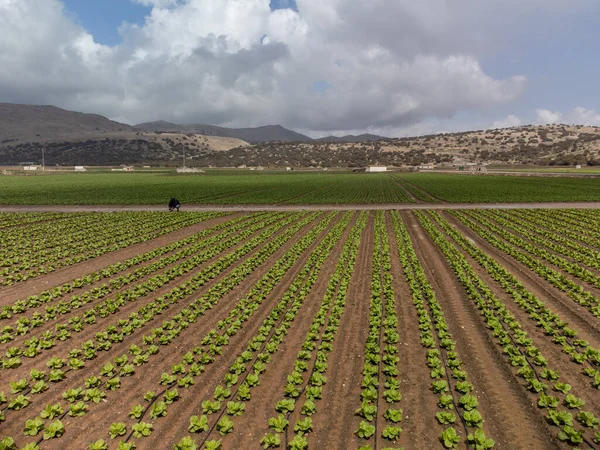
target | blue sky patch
[
  {"x": 321, "y": 86},
  {"x": 102, "y": 18}
]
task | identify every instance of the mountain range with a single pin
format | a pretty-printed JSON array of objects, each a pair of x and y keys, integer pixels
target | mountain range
[
  {"x": 45, "y": 123},
  {"x": 71, "y": 138}
]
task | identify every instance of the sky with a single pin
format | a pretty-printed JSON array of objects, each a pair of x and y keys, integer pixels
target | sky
[{"x": 320, "y": 67}]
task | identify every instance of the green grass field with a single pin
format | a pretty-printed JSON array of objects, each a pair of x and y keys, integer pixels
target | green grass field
[{"x": 236, "y": 188}]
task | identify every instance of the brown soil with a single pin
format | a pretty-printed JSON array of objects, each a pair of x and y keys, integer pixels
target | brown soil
[
  {"x": 347, "y": 207},
  {"x": 415, "y": 386},
  {"x": 272, "y": 383},
  {"x": 75, "y": 379},
  {"x": 552, "y": 296},
  {"x": 335, "y": 420},
  {"x": 90, "y": 331},
  {"x": 104, "y": 281},
  {"x": 569, "y": 370},
  {"x": 205, "y": 384},
  {"x": 511, "y": 416}
]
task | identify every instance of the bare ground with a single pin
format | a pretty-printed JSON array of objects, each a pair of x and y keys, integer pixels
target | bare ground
[{"x": 347, "y": 207}]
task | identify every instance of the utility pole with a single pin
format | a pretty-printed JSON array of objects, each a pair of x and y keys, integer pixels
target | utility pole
[{"x": 43, "y": 158}]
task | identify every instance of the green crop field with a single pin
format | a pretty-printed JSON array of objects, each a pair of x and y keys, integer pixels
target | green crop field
[
  {"x": 265, "y": 188},
  {"x": 212, "y": 188},
  {"x": 504, "y": 189}
]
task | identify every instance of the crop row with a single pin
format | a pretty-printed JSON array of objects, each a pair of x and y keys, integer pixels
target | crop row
[
  {"x": 109, "y": 378},
  {"x": 380, "y": 384},
  {"x": 201, "y": 252},
  {"x": 108, "y": 235},
  {"x": 8, "y": 220},
  {"x": 581, "y": 352},
  {"x": 211, "y": 347},
  {"x": 76, "y": 286},
  {"x": 519, "y": 348},
  {"x": 443, "y": 360},
  {"x": 554, "y": 277},
  {"x": 534, "y": 244}
]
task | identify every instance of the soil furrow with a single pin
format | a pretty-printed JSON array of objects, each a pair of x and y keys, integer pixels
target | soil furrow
[
  {"x": 415, "y": 385},
  {"x": 335, "y": 421},
  {"x": 511, "y": 417}
]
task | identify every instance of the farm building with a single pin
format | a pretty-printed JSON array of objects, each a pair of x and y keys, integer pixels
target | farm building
[
  {"x": 31, "y": 167},
  {"x": 426, "y": 166},
  {"x": 80, "y": 169},
  {"x": 376, "y": 169}
]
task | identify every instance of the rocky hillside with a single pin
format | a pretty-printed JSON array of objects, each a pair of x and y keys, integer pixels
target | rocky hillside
[{"x": 540, "y": 145}]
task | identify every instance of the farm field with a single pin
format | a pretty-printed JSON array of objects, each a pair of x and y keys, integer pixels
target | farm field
[
  {"x": 305, "y": 329},
  {"x": 293, "y": 188},
  {"x": 456, "y": 188}
]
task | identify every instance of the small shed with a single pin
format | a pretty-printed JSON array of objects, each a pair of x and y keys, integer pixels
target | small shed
[
  {"x": 80, "y": 169},
  {"x": 31, "y": 167}
]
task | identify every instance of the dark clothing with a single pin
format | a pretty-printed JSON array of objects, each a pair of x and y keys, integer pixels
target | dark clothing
[{"x": 174, "y": 204}]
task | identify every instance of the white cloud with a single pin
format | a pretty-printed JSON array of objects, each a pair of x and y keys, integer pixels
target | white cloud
[
  {"x": 509, "y": 121},
  {"x": 545, "y": 116},
  {"x": 582, "y": 116},
  {"x": 237, "y": 63}
]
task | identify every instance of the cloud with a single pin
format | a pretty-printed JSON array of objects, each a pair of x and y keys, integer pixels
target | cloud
[
  {"x": 583, "y": 116},
  {"x": 239, "y": 63},
  {"x": 509, "y": 121},
  {"x": 545, "y": 116}
]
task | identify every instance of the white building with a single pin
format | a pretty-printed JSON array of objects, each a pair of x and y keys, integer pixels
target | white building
[
  {"x": 376, "y": 169},
  {"x": 189, "y": 170},
  {"x": 31, "y": 167},
  {"x": 80, "y": 169}
]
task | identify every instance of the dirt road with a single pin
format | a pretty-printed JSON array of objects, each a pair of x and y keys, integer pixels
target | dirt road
[{"x": 251, "y": 208}]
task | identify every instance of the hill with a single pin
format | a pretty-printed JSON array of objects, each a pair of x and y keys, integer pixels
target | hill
[
  {"x": 26, "y": 123},
  {"x": 538, "y": 145},
  {"x": 268, "y": 133},
  {"x": 69, "y": 138}
]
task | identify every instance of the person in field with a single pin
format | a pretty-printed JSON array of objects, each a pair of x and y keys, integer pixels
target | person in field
[{"x": 174, "y": 204}]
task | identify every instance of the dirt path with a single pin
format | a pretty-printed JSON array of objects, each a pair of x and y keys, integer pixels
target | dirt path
[{"x": 348, "y": 207}]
